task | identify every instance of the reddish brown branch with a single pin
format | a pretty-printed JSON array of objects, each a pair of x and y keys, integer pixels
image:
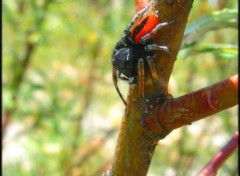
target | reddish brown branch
[
  {"x": 216, "y": 162},
  {"x": 177, "y": 112}
]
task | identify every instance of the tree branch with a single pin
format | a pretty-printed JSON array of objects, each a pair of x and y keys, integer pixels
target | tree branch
[
  {"x": 216, "y": 162},
  {"x": 177, "y": 112}
]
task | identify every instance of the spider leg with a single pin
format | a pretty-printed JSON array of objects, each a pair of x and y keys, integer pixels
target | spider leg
[
  {"x": 141, "y": 77},
  {"x": 115, "y": 75},
  {"x": 146, "y": 37},
  {"x": 153, "y": 70},
  {"x": 154, "y": 47},
  {"x": 119, "y": 76},
  {"x": 150, "y": 61},
  {"x": 137, "y": 16}
]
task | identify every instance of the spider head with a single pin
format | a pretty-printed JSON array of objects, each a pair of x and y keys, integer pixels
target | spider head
[{"x": 121, "y": 61}]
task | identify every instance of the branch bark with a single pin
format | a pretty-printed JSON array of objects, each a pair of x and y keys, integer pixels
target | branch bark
[{"x": 177, "y": 112}]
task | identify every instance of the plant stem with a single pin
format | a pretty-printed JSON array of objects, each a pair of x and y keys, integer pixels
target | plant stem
[{"x": 216, "y": 162}]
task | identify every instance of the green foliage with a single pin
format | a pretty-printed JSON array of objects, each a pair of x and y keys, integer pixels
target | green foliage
[
  {"x": 226, "y": 18},
  {"x": 57, "y": 87}
]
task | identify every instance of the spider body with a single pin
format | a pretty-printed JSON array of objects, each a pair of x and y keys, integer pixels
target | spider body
[
  {"x": 126, "y": 58},
  {"x": 137, "y": 49}
]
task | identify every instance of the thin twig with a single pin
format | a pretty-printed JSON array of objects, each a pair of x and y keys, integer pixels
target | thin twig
[{"x": 217, "y": 161}]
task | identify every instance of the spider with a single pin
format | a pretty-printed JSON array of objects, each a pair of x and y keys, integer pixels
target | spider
[{"x": 136, "y": 49}]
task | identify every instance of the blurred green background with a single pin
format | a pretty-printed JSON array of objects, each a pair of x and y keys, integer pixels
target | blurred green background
[{"x": 61, "y": 113}]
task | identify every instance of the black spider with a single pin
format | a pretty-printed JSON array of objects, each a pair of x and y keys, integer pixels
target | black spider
[{"x": 135, "y": 49}]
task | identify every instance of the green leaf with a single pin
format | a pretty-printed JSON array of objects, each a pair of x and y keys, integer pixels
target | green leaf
[
  {"x": 221, "y": 19},
  {"x": 224, "y": 51}
]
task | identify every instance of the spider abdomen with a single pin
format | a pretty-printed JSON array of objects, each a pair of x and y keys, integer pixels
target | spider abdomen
[{"x": 143, "y": 27}]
